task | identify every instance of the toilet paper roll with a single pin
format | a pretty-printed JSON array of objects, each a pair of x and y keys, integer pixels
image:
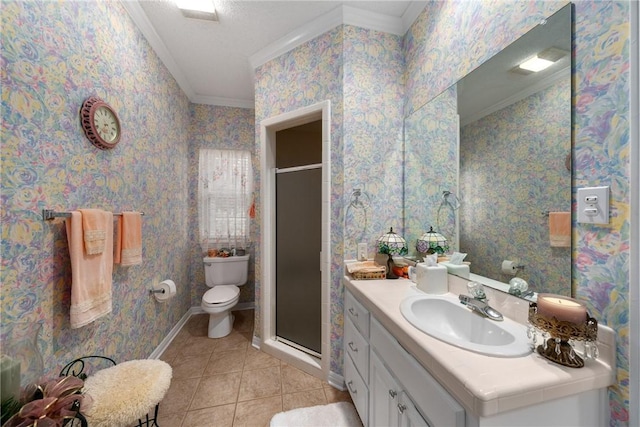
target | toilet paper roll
[
  {"x": 509, "y": 267},
  {"x": 168, "y": 288}
]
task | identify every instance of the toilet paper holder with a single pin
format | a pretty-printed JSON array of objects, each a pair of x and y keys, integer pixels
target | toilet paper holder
[
  {"x": 163, "y": 291},
  {"x": 512, "y": 267}
]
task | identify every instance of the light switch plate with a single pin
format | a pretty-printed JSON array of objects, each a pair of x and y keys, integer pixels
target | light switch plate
[{"x": 593, "y": 205}]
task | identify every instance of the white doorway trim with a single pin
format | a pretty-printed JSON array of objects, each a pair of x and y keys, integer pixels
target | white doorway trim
[
  {"x": 268, "y": 128},
  {"x": 634, "y": 253}
]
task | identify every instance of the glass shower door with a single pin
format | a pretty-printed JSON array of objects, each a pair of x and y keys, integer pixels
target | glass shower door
[{"x": 298, "y": 246}]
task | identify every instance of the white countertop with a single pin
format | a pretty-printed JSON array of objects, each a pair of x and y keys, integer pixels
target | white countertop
[{"x": 484, "y": 385}]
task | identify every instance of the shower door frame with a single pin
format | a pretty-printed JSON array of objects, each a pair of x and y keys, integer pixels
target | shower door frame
[{"x": 318, "y": 366}]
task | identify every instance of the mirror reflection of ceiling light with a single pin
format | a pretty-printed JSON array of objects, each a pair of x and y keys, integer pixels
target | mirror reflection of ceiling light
[
  {"x": 541, "y": 61},
  {"x": 198, "y": 9},
  {"x": 536, "y": 64}
]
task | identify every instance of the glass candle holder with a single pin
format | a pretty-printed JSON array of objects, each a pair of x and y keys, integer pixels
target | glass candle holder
[
  {"x": 21, "y": 358},
  {"x": 560, "y": 337}
]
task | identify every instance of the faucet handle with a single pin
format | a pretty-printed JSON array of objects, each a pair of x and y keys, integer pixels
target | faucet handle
[{"x": 476, "y": 290}]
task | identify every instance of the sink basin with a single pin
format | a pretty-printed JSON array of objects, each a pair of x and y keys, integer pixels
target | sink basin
[{"x": 444, "y": 318}]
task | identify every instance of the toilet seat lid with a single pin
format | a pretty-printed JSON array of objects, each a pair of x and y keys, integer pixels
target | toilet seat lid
[{"x": 221, "y": 294}]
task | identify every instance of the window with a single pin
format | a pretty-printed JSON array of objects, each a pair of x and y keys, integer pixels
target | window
[{"x": 225, "y": 188}]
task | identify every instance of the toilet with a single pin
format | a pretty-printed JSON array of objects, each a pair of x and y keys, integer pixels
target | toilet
[{"x": 223, "y": 276}]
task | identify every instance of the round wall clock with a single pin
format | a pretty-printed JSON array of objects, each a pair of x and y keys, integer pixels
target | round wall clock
[{"x": 100, "y": 123}]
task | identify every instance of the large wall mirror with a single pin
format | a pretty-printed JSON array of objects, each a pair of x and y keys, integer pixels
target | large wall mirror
[{"x": 488, "y": 159}]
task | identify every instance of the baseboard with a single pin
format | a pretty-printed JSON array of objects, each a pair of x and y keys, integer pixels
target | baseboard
[
  {"x": 336, "y": 381},
  {"x": 191, "y": 312},
  {"x": 172, "y": 334},
  {"x": 255, "y": 342},
  {"x": 244, "y": 306}
]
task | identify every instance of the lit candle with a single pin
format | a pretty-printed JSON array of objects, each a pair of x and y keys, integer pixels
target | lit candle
[{"x": 562, "y": 308}]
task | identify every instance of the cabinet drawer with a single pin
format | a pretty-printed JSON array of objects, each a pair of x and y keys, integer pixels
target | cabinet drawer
[
  {"x": 357, "y": 313},
  {"x": 358, "y": 348},
  {"x": 357, "y": 389},
  {"x": 435, "y": 403}
]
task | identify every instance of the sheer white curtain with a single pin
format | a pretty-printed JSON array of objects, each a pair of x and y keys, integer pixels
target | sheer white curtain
[{"x": 225, "y": 189}]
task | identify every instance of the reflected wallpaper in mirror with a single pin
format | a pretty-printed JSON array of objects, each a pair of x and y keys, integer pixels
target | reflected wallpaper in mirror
[
  {"x": 431, "y": 165},
  {"x": 504, "y": 156}
]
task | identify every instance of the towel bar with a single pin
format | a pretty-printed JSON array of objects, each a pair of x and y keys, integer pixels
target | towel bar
[{"x": 49, "y": 214}]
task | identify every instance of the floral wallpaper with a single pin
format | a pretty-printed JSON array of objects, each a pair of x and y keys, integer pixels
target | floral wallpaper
[
  {"x": 308, "y": 74},
  {"x": 360, "y": 71},
  {"x": 373, "y": 123},
  {"x": 225, "y": 128},
  {"x": 476, "y": 30},
  {"x": 54, "y": 56},
  {"x": 512, "y": 169},
  {"x": 431, "y": 168}
]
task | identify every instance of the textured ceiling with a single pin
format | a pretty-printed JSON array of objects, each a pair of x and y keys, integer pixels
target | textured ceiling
[{"x": 213, "y": 61}]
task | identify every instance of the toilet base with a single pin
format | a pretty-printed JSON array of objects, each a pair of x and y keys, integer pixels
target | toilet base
[{"x": 220, "y": 324}]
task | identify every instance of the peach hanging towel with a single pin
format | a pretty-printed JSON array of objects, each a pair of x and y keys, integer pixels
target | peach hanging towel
[
  {"x": 91, "y": 275},
  {"x": 560, "y": 229},
  {"x": 129, "y": 239},
  {"x": 93, "y": 231}
]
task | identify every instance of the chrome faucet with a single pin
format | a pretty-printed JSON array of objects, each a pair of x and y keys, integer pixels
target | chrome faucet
[{"x": 480, "y": 307}]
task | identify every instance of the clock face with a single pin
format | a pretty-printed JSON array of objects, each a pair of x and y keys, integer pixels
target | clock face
[
  {"x": 100, "y": 123},
  {"x": 106, "y": 124}
]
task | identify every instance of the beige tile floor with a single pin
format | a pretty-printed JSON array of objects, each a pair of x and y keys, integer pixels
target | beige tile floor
[{"x": 227, "y": 382}]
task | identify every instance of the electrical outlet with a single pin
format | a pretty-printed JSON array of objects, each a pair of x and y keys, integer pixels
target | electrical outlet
[
  {"x": 362, "y": 251},
  {"x": 593, "y": 205}
]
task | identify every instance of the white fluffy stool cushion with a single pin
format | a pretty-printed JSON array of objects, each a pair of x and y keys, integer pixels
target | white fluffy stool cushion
[{"x": 126, "y": 392}]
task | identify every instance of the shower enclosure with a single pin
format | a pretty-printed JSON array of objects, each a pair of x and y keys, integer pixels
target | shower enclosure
[{"x": 298, "y": 247}]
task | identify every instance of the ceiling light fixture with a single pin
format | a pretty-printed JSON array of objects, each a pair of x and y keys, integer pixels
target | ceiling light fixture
[
  {"x": 198, "y": 9},
  {"x": 536, "y": 64},
  {"x": 541, "y": 61}
]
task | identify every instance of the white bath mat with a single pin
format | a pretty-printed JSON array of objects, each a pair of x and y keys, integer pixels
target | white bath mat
[{"x": 341, "y": 414}]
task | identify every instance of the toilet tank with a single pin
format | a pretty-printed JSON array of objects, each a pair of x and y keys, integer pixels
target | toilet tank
[{"x": 231, "y": 270}]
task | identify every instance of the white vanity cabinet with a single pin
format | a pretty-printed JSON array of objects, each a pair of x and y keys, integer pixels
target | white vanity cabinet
[
  {"x": 421, "y": 400},
  {"x": 356, "y": 349},
  {"x": 387, "y": 385},
  {"x": 384, "y": 390},
  {"x": 390, "y": 405},
  {"x": 392, "y": 387}
]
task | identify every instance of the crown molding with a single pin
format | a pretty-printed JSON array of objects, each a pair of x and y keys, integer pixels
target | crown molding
[
  {"x": 223, "y": 102},
  {"x": 295, "y": 38},
  {"x": 411, "y": 14},
  {"x": 139, "y": 18},
  {"x": 338, "y": 16},
  {"x": 144, "y": 25},
  {"x": 528, "y": 91},
  {"x": 372, "y": 21}
]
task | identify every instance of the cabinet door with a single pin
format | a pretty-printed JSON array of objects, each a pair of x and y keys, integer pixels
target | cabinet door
[
  {"x": 357, "y": 389},
  {"x": 356, "y": 346},
  {"x": 383, "y": 394},
  {"x": 409, "y": 415},
  {"x": 440, "y": 408}
]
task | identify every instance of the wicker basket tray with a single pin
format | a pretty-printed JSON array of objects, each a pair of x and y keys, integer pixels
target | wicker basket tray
[
  {"x": 370, "y": 275},
  {"x": 367, "y": 270}
]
